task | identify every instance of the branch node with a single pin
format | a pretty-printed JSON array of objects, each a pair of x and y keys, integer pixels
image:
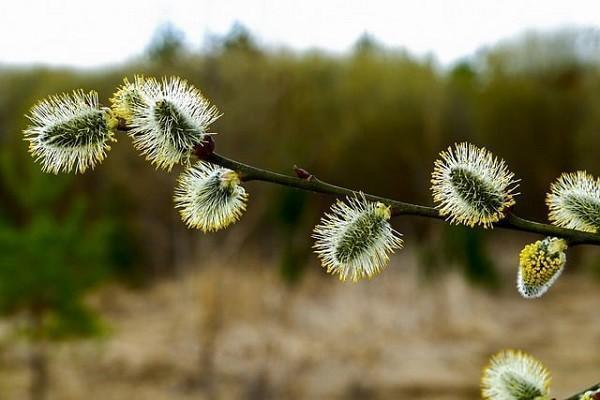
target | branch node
[
  {"x": 302, "y": 173},
  {"x": 122, "y": 124},
  {"x": 204, "y": 149}
]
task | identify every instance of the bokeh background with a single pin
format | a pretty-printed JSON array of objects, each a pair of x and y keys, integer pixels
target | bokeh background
[{"x": 104, "y": 293}]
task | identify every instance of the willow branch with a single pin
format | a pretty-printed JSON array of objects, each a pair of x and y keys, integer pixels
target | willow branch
[
  {"x": 312, "y": 184},
  {"x": 511, "y": 221}
]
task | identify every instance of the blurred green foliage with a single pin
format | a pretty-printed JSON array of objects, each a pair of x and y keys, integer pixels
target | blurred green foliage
[
  {"x": 52, "y": 251},
  {"x": 290, "y": 207},
  {"x": 166, "y": 46},
  {"x": 462, "y": 247},
  {"x": 374, "y": 120}
]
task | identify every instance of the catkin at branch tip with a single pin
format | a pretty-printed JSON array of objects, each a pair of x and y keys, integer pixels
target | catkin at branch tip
[{"x": 70, "y": 132}]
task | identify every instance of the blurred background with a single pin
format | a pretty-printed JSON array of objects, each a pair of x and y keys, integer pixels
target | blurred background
[{"x": 104, "y": 293}]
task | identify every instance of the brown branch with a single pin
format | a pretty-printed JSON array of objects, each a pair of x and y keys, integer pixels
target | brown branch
[{"x": 511, "y": 221}]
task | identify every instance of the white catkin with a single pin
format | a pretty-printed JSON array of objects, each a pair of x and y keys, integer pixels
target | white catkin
[
  {"x": 69, "y": 132},
  {"x": 169, "y": 119},
  {"x": 472, "y": 187},
  {"x": 354, "y": 240}
]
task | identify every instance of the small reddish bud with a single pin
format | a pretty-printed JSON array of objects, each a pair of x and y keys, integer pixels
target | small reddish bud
[
  {"x": 205, "y": 148},
  {"x": 302, "y": 173},
  {"x": 122, "y": 124}
]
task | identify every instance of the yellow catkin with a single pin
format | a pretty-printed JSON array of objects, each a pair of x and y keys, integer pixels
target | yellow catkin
[
  {"x": 539, "y": 263},
  {"x": 590, "y": 395}
]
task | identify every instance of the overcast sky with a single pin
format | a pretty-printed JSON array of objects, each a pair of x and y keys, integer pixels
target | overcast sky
[{"x": 93, "y": 33}]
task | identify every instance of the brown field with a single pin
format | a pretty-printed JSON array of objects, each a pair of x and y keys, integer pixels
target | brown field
[{"x": 234, "y": 331}]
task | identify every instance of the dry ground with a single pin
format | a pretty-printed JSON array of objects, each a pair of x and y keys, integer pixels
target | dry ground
[{"x": 236, "y": 332}]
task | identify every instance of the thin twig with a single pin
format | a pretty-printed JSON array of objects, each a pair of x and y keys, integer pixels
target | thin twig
[
  {"x": 511, "y": 221},
  {"x": 247, "y": 172}
]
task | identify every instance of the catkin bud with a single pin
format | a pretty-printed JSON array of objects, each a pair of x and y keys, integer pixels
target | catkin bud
[
  {"x": 168, "y": 119},
  {"x": 591, "y": 395},
  {"x": 128, "y": 97},
  {"x": 574, "y": 202},
  {"x": 355, "y": 240},
  {"x": 540, "y": 265},
  {"x": 210, "y": 197},
  {"x": 514, "y": 375},
  {"x": 70, "y": 132},
  {"x": 472, "y": 187}
]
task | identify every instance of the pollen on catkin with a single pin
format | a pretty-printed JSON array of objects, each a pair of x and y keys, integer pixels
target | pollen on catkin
[
  {"x": 70, "y": 132},
  {"x": 514, "y": 375},
  {"x": 169, "y": 120},
  {"x": 574, "y": 202},
  {"x": 126, "y": 97},
  {"x": 540, "y": 265},
  {"x": 591, "y": 395},
  {"x": 209, "y": 197},
  {"x": 354, "y": 240},
  {"x": 472, "y": 187}
]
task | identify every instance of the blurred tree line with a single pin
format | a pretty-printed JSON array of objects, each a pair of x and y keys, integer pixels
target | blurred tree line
[{"x": 373, "y": 119}]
